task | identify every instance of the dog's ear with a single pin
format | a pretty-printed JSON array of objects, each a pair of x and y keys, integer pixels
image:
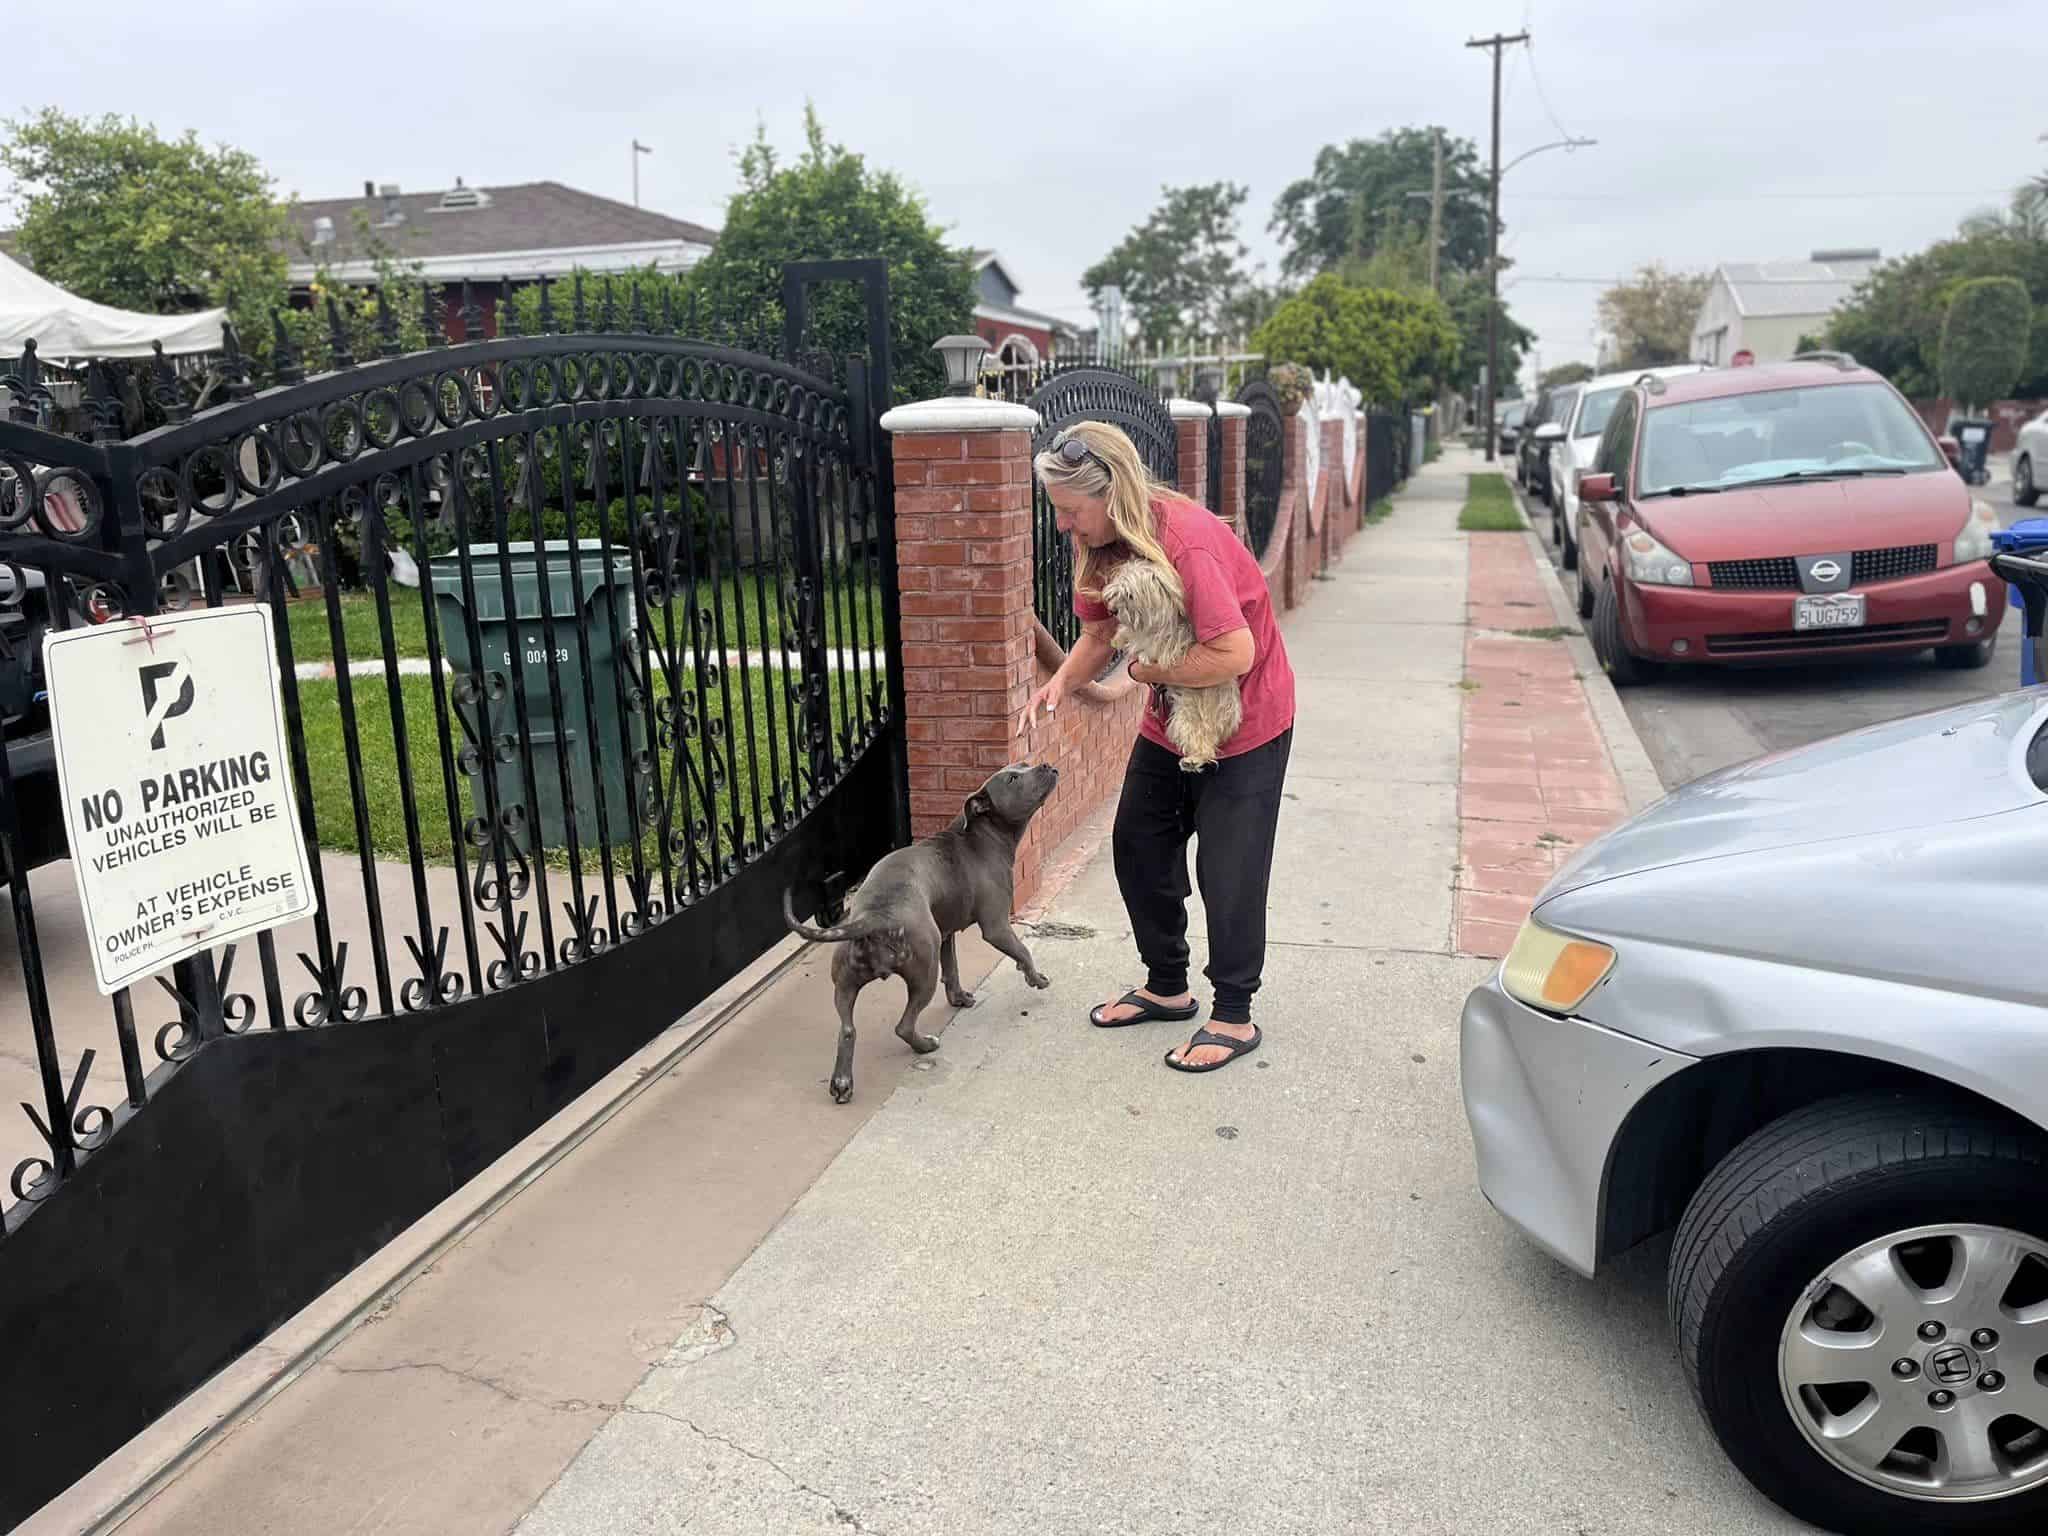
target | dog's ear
[{"x": 979, "y": 804}]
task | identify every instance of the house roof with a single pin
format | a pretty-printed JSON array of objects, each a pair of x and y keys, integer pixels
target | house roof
[
  {"x": 514, "y": 231},
  {"x": 1769, "y": 289},
  {"x": 1012, "y": 314}
]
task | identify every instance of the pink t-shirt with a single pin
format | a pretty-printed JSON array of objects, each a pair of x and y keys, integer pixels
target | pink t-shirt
[{"x": 1225, "y": 591}]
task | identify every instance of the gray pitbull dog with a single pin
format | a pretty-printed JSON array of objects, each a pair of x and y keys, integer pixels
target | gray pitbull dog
[{"x": 902, "y": 919}]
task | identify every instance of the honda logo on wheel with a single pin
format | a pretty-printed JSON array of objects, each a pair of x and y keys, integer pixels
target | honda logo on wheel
[{"x": 1952, "y": 1366}]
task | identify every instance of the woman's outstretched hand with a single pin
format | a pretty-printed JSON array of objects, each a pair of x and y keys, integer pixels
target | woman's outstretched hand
[{"x": 1045, "y": 701}]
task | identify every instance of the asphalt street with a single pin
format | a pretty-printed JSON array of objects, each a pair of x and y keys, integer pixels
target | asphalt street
[{"x": 1694, "y": 720}]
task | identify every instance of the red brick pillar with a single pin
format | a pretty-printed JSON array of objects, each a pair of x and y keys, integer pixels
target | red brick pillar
[
  {"x": 963, "y": 552},
  {"x": 1234, "y": 419},
  {"x": 1294, "y": 493},
  {"x": 1334, "y": 527},
  {"x": 1191, "y": 425}
]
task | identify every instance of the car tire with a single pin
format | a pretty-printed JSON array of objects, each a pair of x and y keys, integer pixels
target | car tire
[
  {"x": 2024, "y": 491},
  {"x": 1556, "y": 531},
  {"x": 1622, "y": 666},
  {"x": 1585, "y": 593},
  {"x": 1571, "y": 545},
  {"x": 1855, "y": 1183},
  {"x": 1966, "y": 658}
]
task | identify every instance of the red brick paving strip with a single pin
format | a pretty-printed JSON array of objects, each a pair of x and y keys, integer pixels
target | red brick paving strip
[{"x": 1535, "y": 781}]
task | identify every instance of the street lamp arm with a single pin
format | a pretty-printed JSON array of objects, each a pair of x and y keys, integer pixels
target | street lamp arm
[{"x": 1564, "y": 144}]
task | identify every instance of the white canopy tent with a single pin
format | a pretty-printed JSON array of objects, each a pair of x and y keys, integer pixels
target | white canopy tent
[{"x": 64, "y": 326}]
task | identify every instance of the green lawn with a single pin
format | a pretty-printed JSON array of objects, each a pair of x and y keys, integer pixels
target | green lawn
[
  {"x": 750, "y": 611},
  {"x": 759, "y": 760},
  {"x": 1489, "y": 506}
]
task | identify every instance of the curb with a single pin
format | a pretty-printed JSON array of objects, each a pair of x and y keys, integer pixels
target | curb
[{"x": 1640, "y": 785}]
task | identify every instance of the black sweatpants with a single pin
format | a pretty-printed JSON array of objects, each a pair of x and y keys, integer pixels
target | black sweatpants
[{"x": 1231, "y": 810}]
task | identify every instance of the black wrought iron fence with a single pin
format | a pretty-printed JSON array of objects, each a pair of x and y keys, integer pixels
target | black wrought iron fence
[
  {"x": 587, "y": 644},
  {"x": 1063, "y": 395},
  {"x": 1386, "y": 455},
  {"x": 1265, "y": 443}
]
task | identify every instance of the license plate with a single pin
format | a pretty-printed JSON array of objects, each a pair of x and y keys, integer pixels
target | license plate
[{"x": 1842, "y": 612}]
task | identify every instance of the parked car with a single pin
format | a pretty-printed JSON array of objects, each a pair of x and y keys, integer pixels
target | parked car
[
  {"x": 1796, "y": 1012},
  {"x": 1510, "y": 426},
  {"x": 1572, "y": 450},
  {"x": 1780, "y": 512},
  {"x": 1532, "y": 463},
  {"x": 2030, "y": 460}
]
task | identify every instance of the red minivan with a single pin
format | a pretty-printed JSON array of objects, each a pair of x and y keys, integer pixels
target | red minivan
[{"x": 1780, "y": 512}]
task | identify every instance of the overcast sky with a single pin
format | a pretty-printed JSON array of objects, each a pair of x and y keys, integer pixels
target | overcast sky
[{"x": 1740, "y": 130}]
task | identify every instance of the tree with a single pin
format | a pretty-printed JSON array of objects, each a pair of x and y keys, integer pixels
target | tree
[
  {"x": 1651, "y": 316},
  {"x": 1183, "y": 269},
  {"x": 1396, "y": 347},
  {"x": 1984, "y": 340},
  {"x": 829, "y": 204},
  {"x": 1357, "y": 198},
  {"x": 1893, "y": 322},
  {"x": 1564, "y": 373},
  {"x": 1466, "y": 297},
  {"x": 118, "y": 214}
]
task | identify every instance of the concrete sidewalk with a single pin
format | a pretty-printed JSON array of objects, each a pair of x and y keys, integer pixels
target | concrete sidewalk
[
  {"x": 1052, "y": 1287},
  {"x": 1049, "y": 1286}
]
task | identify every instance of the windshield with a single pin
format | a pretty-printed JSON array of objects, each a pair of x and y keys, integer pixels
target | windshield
[
  {"x": 1594, "y": 413},
  {"x": 1783, "y": 434},
  {"x": 1514, "y": 416}
]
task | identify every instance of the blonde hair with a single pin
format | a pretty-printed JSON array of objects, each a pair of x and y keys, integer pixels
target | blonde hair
[{"x": 1114, "y": 472}]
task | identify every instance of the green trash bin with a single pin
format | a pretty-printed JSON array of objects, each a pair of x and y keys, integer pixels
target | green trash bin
[{"x": 583, "y": 643}]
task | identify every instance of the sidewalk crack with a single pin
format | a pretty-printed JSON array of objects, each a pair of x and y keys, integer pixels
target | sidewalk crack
[{"x": 840, "y": 1512}]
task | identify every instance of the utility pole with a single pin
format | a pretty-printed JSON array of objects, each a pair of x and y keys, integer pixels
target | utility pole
[
  {"x": 1496, "y": 43},
  {"x": 639, "y": 149},
  {"x": 1436, "y": 207}
]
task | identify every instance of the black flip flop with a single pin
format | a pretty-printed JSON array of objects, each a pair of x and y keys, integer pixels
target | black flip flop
[
  {"x": 1152, "y": 1011},
  {"x": 1235, "y": 1046}
]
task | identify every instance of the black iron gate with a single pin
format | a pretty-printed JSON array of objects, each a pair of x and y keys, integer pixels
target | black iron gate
[
  {"x": 1088, "y": 392},
  {"x": 1265, "y": 442},
  {"x": 1386, "y": 455},
  {"x": 531, "y": 867}
]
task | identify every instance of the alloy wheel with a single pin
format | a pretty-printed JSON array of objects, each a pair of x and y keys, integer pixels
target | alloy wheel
[{"x": 1918, "y": 1363}]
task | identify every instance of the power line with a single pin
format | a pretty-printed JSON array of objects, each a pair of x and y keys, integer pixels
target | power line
[{"x": 1529, "y": 48}]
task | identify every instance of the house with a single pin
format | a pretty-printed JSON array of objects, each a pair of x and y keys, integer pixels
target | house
[
  {"x": 1764, "y": 307},
  {"x": 494, "y": 238},
  {"x": 1017, "y": 338}
]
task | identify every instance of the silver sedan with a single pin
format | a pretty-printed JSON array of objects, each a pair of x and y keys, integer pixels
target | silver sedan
[{"x": 1799, "y": 1011}]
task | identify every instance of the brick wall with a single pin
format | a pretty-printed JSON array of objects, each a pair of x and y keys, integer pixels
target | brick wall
[
  {"x": 1295, "y": 493},
  {"x": 2007, "y": 417},
  {"x": 1089, "y": 740},
  {"x": 963, "y": 550},
  {"x": 1232, "y": 510},
  {"x": 1192, "y": 460}
]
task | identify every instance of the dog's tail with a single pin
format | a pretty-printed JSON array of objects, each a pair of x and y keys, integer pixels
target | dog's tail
[{"x": 859, "y": 928}]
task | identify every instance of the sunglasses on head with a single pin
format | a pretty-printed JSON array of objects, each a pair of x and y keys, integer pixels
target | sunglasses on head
[{"x": 1074, "y": 450}]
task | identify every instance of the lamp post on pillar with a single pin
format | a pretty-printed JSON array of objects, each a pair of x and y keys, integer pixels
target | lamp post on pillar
[{"x": 962, "y": 356}]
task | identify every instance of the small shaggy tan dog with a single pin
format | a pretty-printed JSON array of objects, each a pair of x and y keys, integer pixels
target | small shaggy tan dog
[{"x": 1152, "y": 625}]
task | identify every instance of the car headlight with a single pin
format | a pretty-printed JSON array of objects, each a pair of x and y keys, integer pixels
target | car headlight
[
  {"x": 1649, "y": 561},
  {"x": 1553, "y": 971},
  {"x": 1974, "y": 542}
]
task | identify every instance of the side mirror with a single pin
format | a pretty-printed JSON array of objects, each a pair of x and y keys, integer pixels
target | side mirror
[
  {"x": 1953, "y": 449},
  {"x": 1594, "y": 488},
  {"x": 1550, "y": 432}
]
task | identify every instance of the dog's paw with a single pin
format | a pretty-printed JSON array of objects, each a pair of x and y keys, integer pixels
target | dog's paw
[
  {"x": 961, "y": 999},
  {"x": 1038, "y": 979},
  {"x": 842, "y": 1089}
]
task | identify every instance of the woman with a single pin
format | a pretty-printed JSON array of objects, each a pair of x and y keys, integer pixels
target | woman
[{"x": 1114, "y": 511}]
